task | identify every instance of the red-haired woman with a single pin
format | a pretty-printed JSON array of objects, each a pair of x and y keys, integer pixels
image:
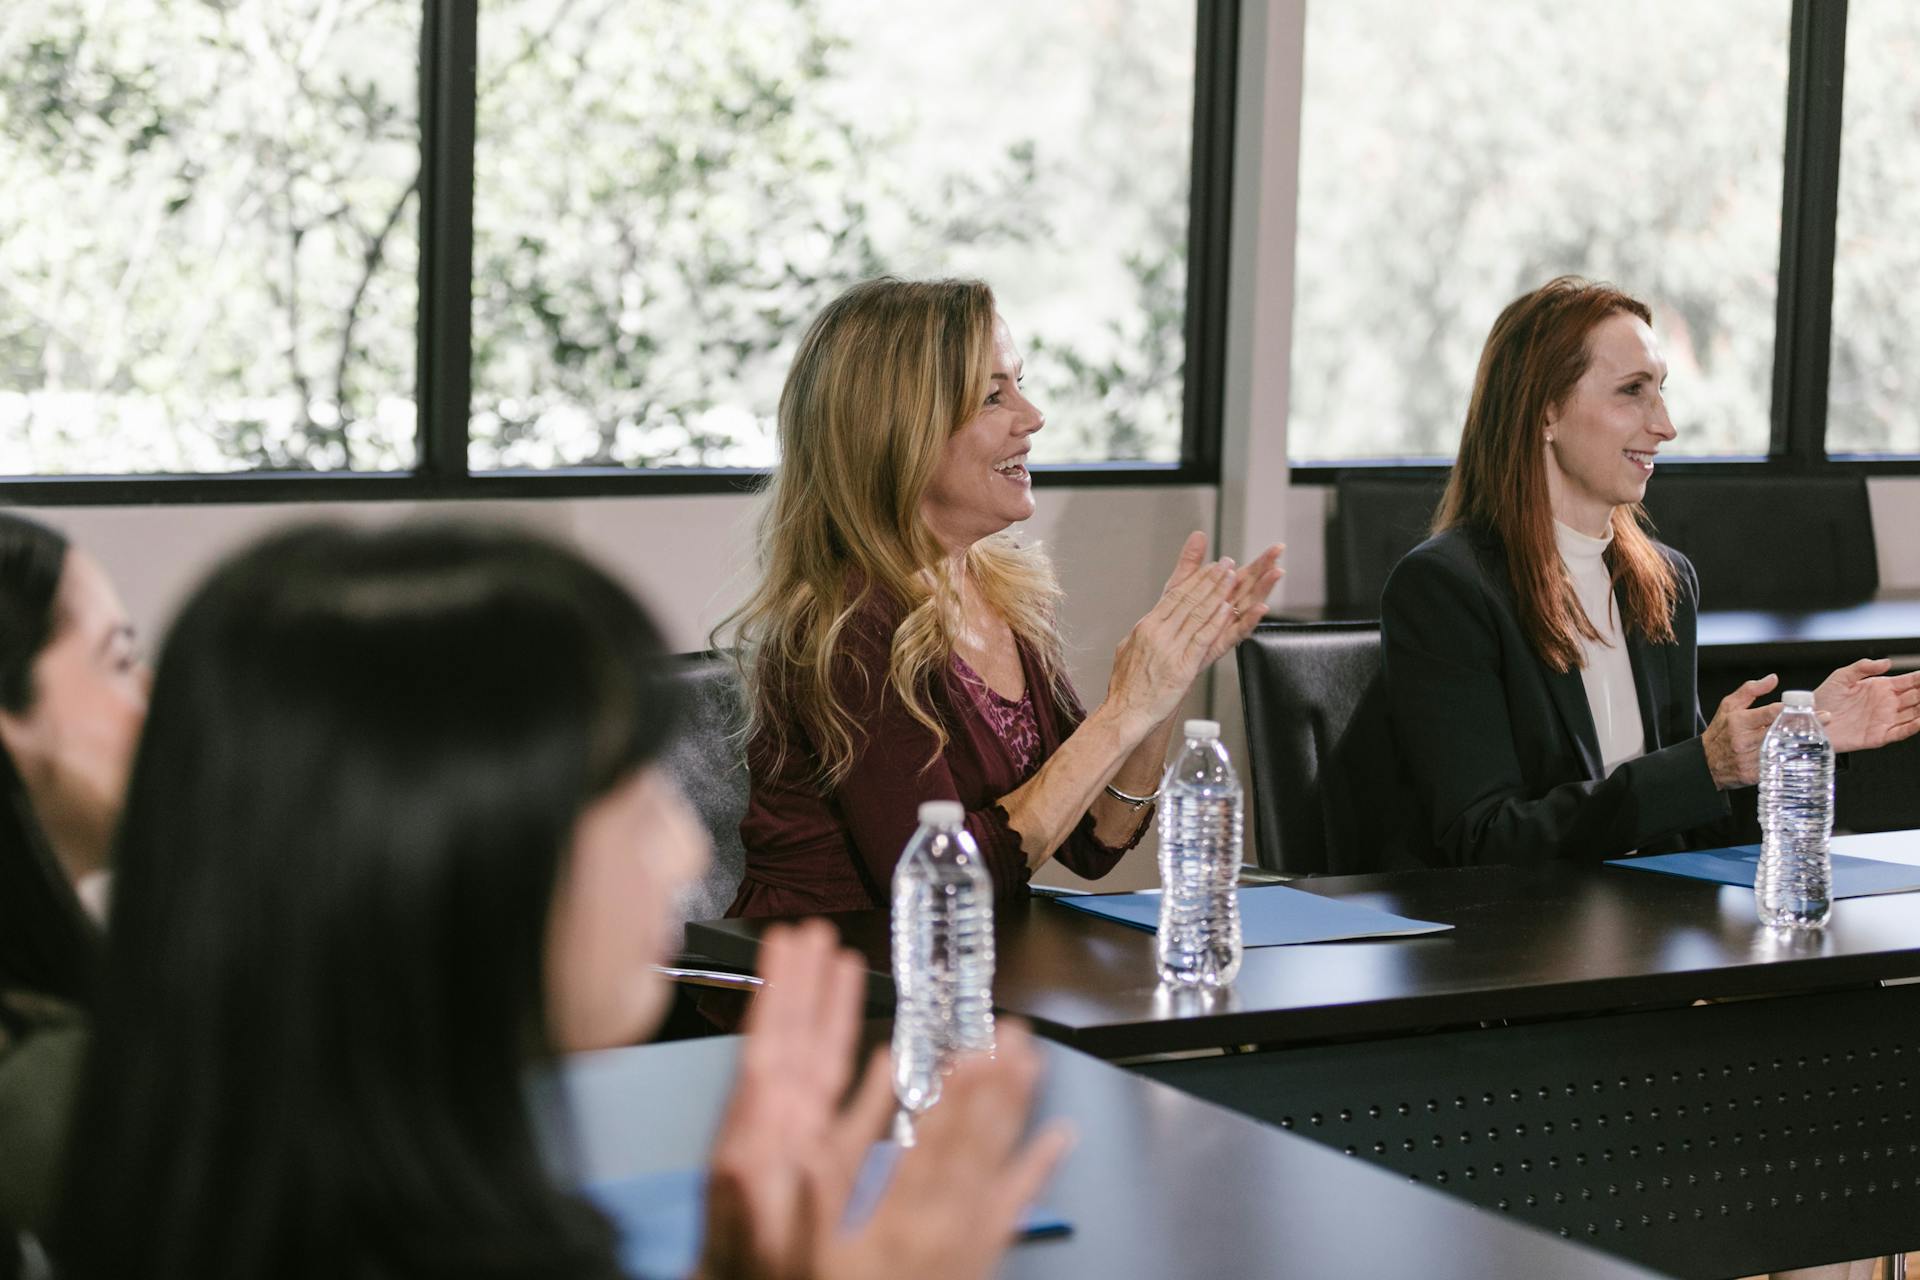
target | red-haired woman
[{"x": 1539, "y": 649}]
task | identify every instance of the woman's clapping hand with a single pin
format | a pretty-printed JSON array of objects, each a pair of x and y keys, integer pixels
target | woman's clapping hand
[
  {"x": 1252, "y": 584},
  {"x": 789, "y": 1149},
  {"x": 1203, "y": 612}
]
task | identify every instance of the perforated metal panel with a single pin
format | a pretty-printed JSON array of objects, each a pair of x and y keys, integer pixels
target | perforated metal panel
[{"x": 1715, "y": 1140}]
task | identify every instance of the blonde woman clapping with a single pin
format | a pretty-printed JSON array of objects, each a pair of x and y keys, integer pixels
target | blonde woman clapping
[{"x": 900, "y": 647}]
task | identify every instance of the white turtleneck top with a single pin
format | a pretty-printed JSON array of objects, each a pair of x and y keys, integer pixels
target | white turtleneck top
[{"x": 1607, "y": 672}]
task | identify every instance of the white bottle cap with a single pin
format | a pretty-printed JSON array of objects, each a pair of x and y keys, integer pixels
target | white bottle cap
[
  {"x": 942, "y": 813},
  {"x": 1797, "y": 698},
  {"x": 1202, "y": 729}
]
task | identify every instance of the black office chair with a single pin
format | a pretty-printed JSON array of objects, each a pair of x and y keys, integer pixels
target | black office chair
[
  {"x": 709, "y": 762},
  {"x": 1770, "y": 542},
  {"x": 1327, "y": 793},
  {"x": 1375, "y": 519}
]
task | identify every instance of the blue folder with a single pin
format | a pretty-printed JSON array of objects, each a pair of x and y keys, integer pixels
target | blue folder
[
  {"x": 661, "y": 1216},
  {"x": 1271, "y": 915},
  {"x": 1853, "y": 876}
]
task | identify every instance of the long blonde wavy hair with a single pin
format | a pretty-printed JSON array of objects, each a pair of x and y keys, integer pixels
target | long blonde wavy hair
[{"x": 883, "y": 377}]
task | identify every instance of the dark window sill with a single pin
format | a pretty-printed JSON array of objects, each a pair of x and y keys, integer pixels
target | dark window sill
[{"x": 255, "y": 487}]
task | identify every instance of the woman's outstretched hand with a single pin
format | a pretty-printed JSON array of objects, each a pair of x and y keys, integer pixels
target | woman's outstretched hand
[
  {"x": 1864, "y": 707},
  {"x": 1203, "y": 612},
  {"x": 789, "y": 1148},
  {"x": 1733, "y": 739}
]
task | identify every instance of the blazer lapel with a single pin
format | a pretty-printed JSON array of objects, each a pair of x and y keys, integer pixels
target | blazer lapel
[
  {"x": 1651, "y": 685},
  {"x": 1570, "y": 697}
]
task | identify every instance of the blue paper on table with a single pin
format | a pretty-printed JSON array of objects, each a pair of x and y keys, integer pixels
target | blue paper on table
[
  {"x": 1853, "y": 877},
  {"x": 660, "y": 1216},
  {"x": 1271, "y": 915}
]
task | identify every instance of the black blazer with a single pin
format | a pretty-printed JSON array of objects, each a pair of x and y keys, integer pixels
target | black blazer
[{"x": 1500, "y": 750}]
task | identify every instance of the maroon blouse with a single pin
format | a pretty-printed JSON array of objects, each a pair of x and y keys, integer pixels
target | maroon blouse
[{"x": 809, "y": 853}]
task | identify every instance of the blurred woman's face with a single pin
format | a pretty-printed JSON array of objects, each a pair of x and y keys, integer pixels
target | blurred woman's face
[
  {"x": 982, "y": 485},
  {"x": 73, "y": 747},
  {"x": 616, "y": 913}
]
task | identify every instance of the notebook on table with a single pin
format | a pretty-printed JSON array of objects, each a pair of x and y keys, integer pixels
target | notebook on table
[
  {"x": 1854, "y": 875},
  {"x": 1271, "y": 915}
]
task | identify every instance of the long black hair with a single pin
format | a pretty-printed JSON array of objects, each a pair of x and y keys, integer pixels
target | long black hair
[
  {"x": 47, "y": 944},
  {"x": 364, "y": 758}
]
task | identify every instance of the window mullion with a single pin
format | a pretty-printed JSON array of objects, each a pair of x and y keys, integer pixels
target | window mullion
[
  {"x": 448, "y": 52},
  {"x": 1804, "y": 325},
  {"x": 1209, "y": 230}
]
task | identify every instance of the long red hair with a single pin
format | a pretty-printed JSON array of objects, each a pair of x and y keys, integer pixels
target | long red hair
[{"x": 1537, "y": 352}]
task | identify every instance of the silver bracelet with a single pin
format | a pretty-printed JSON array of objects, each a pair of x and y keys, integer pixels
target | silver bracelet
[{"x": 1136, "y": 803}]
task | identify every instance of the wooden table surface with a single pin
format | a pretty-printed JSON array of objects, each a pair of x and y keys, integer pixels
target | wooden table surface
[{"x": 1159, "y": 1184}]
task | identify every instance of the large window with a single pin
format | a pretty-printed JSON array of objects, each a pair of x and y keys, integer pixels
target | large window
[
  {"x": 219, "y": 218},
  {"x": 1874, "y": 386},
  {"x": 665, "y": 193},
  {"x": 1451, "y": 162},
  {"x": 208, "y": 242}
]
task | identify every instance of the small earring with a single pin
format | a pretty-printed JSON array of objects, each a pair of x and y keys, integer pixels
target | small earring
[{"x": 1549, "y": 437}]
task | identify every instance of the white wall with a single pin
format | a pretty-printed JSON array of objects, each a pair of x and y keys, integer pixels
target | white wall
[{"x": 1896, "y": 530}]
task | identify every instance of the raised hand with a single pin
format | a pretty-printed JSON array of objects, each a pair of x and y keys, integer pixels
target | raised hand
[
  {"x": 785, "y": 1138},
  {"x": 1864, "y": 707},
  {"x": 1156, "y": 663},
  {"x": 788, "y": 1151},
  {"x": 1204, "y": 611},
  {"x": 1733, "y": 738},
  {"x": 1252, "y": 584},
  {"x": 958, "y": 1193}
]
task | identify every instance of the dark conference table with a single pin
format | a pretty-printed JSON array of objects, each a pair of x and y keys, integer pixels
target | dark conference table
[
  {"x": 1886, "y": 627},
  {"x": 1159, "y": 1184},
  {"x": 1551, "y": 942},
  {"x": 1545, "y": 1057}
]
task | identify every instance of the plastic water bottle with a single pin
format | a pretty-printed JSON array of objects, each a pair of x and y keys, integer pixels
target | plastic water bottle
[
  {"x": 1198, "y": 944},
  {"x": 1795, "y": 884},
  {"x": 942, "y": 954}
]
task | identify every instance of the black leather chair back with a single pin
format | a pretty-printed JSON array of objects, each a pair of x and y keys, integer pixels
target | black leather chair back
[
  {"x": 1325, "y": 783},
  {"x": 709, "y": 761},
  {"x": 1770, "y": 542},
  {"x": 1375, "y": 520}
]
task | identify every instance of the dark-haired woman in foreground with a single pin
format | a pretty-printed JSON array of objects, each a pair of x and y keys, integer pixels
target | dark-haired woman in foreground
[
  {"x": 1539, "y": 649},
  {"x": 395, "y": 836},
  {"x": 72, "y": 697}
]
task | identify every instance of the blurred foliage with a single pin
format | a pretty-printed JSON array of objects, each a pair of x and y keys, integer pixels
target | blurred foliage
[
  {"x": 1453, "y": 162},
  {"x": 207, "y": 256},
  {"x": 209, "y": 253},
  {"x": 1873, "y": 390},
  {"x": 210, "y": 258},
  {"x": 662, "y": 206}
]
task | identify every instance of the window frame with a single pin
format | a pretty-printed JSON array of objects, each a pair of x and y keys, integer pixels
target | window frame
[
  {"x": 1803, "y": 328},
  {"x": 449, "y": 55}
]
